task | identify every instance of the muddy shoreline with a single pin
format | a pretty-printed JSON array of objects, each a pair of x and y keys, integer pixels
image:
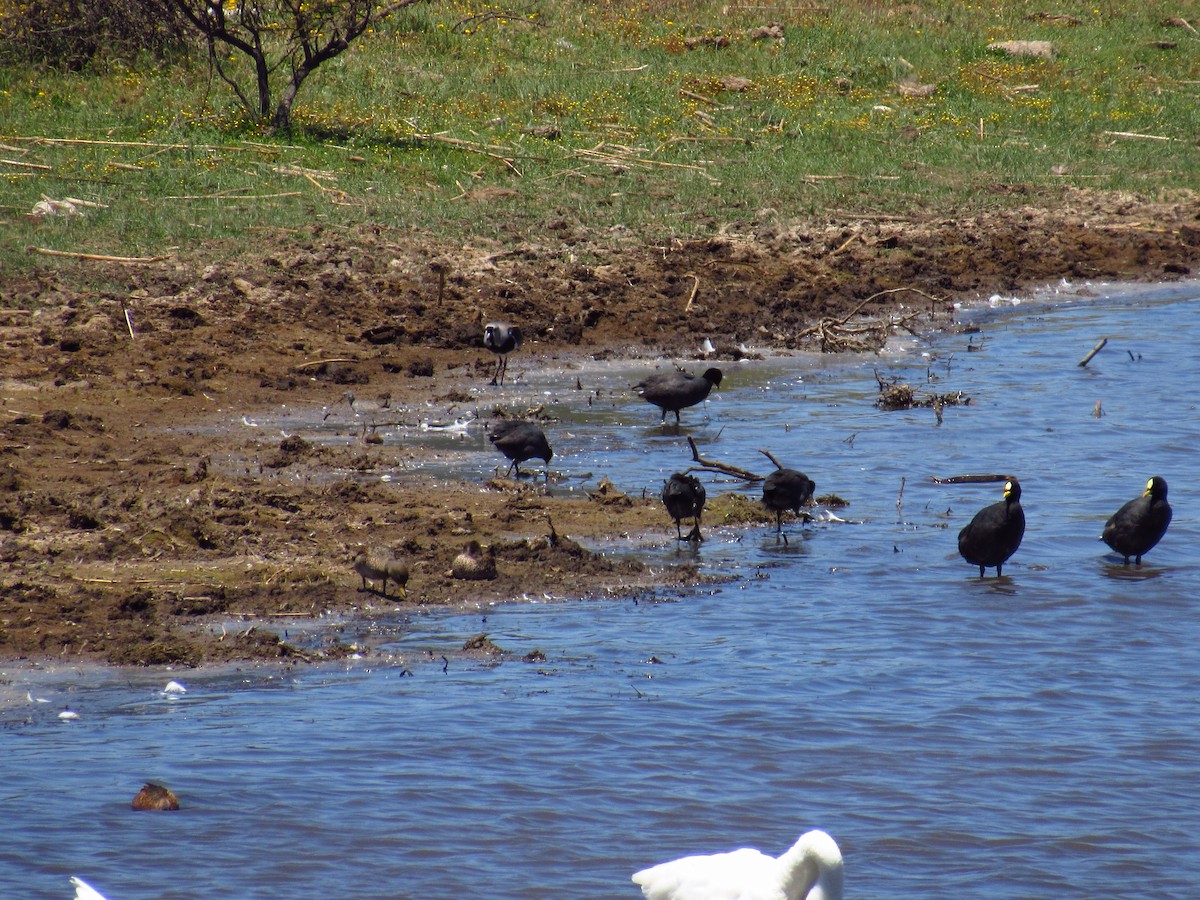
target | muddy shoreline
[{"x": 126, "y": 531}]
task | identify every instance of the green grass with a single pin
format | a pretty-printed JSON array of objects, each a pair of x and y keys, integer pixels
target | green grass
[{"x": 418, "y": 121}]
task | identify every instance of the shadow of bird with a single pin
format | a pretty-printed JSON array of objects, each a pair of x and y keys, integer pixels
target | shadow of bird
[
  {"x": 502, "y": 339},
  {"x": 520, "y": 441},
  {"x": 677, "y": 389},
  {"x": 683, "y": 496},
  {"x": 1140, "y": 524},
  {"x": 995, "y": 533}
]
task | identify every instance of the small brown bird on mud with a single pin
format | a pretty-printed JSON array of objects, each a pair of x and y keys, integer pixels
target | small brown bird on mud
[
  {"x": 380, "y": 566},
  {"x": 474, "y": 563}
]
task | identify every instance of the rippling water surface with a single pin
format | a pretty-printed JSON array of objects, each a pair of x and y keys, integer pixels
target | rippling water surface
[{"x": 1036, "y": 735}]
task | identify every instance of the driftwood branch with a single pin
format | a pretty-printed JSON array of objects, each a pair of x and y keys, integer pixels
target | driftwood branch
[
  {"x": 715, "y": 465},
  {"x": 771, "y": 457},
  {"x": 969, "y": 479},
  {"x": 1100, "y": 346},
  {"x": 96, "y": 256}
]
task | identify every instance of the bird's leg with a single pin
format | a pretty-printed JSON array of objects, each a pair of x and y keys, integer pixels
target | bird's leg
[
  {"x": 496, "y": 374},
  {"x": 364, "y": 584},
  {"x": 503, "y": 367},
  {"x": 510, "y": 468}
]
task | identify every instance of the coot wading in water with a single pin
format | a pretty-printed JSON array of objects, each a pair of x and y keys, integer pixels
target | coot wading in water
[
  {"x": 1140, "y": 524},
  {"x": 676, "y": 390},
  {"x": 783, "y": 490},
  {"x": 683, "y": 496},
  {"x": 520, "y": 441},
  {"x": 995, "y": 533}
]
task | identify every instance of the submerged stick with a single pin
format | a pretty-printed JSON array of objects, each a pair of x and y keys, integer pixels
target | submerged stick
[
  {"x": 969, "y": 479},
  {"x": 714, "y": 465},
  {"x": 1100, "y": 346}
]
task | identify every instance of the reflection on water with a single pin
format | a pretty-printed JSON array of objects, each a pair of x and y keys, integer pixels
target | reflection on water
[{"x": 1034, "y": 735}]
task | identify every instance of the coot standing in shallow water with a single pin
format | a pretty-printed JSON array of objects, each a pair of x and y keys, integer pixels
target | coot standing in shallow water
[
  {"x": 683, "y": 496},
  {"x": 502, "y": 339},
  {"x": 995, "y": 533},
  {"x": 676, "y": 390},
  {"x": 520, "y": 441},
  {"x": 1140, "y": 524},
  {"x": 786, "y": 489}
]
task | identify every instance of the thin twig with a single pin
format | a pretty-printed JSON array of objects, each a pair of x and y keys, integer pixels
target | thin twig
[{"x": 95, "y": 256}]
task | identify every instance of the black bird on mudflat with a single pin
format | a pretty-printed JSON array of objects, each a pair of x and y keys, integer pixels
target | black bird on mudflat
[
  {"x": 1140, "y": 524},
  {"x": 520, "y": 441},
  {"x": 683, "y": 496},
  {"x": 995, "y": 533},
  {"x": 502, "y": 339},
  {"x": 786, "y": 489},
  {"x": 676, "y": 390}
]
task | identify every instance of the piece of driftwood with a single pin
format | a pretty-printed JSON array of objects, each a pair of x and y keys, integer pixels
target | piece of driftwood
[
  {"x": 1100, "y": 346},
  {"x": 969, "y": 479},
  {"x": 46, "y": 251},
  {"x": 714, "y": 465}
]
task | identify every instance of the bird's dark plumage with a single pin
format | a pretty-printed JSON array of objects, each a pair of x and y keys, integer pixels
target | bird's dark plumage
[
  {"x": 675, "y": 390},
  {"x": 786, "y": 489},
  {"x": 683, "y": 496},
  {"x": 520, "y": 441},
  {"x": 995, "y": 533},
  {"x": 1139, "y": 524},
  {"x": 502, "y": 339}
]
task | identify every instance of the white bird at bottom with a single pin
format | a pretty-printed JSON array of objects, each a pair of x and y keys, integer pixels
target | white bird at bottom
[
  {"x": 84, "y": 891},
  {"x": 811, "y": 870}
]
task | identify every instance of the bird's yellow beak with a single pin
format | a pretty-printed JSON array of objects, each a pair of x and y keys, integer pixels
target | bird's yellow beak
[{"x": 1149, "y": 487}]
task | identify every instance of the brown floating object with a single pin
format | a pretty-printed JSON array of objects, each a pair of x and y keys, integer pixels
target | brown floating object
[{"x": 155, "y": 796}]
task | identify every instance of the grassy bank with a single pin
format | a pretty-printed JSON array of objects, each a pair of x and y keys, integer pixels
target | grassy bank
[{"x": 663, "y": 119}]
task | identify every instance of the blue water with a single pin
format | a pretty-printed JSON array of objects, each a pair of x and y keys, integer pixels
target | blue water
[{"x": 1036, "y": 735}]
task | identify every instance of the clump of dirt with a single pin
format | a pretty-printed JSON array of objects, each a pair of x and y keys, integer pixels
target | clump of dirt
[{"x": 131, "y": 534}]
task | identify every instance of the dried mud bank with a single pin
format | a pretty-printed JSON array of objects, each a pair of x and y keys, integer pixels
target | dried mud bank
[{"x": 131, "y": 531}]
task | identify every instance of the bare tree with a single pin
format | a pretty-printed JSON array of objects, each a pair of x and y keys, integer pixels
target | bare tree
[{"x": 285, "y": 40}]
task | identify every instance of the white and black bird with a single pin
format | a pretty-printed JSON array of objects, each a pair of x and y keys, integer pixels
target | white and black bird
[
  {"x": 1137, "y": 526},
  {"x": 683, "y": 496},
  {"x": 995, "y": 533},
  {"x": 786, "y": 489},
  {"x": 677, "y": 389},
  {"x": 502, "y": 339},
  {"x": 520, "y": 441},
  {"x": 811, "y": 870}
]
